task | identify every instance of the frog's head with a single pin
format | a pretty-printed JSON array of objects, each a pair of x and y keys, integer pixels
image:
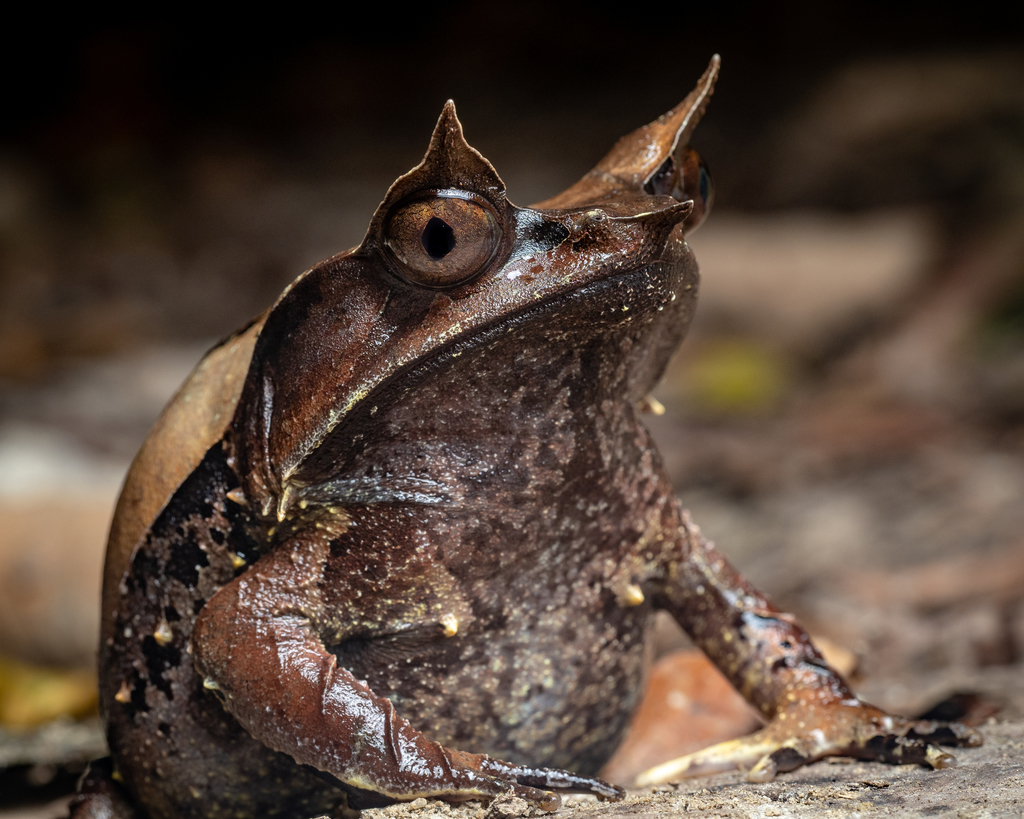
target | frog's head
[{"x": 449, "y": 264}]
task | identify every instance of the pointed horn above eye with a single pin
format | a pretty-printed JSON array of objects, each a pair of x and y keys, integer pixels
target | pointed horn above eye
[
  {"x": 635, "y": 157},
  {"x": 450, "y": 163},
  {"x": 447, "y": 133}
]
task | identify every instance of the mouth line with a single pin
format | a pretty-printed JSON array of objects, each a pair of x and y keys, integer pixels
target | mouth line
[{"x": 571, "y": 293}]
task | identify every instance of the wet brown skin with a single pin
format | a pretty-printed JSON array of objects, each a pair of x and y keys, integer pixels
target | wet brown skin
[{"x": 415, "y": 551}]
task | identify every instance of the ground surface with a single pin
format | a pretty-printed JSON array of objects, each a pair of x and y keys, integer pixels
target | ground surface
[{"x": 989, "y": 781}]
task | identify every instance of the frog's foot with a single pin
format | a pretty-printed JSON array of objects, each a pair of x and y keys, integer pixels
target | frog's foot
[
  {"x": 802, "y": 735},
  {"x": 536, "y": 785}
]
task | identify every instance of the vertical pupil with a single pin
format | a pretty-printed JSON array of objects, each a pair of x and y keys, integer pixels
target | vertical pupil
[{"x": 438, "y": 238}]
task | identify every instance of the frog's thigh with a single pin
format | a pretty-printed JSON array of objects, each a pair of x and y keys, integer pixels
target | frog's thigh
[{"x": 256, "y": 644}]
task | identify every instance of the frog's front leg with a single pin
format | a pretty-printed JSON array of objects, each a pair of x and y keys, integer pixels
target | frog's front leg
[
  {"x": 809, "y": 709},
  {"x": 258, "y": 643}
]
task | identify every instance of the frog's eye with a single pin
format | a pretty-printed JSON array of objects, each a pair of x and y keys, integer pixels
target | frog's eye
[
  {"x": 442, "y": 240},
  {"x": 696, "y": 186},
  {"x": 691, "y": 181}
]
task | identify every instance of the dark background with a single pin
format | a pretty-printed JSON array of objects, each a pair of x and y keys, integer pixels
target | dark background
[{"x": 159, "y": 145}]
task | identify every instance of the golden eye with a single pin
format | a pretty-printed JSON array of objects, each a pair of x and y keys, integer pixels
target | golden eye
[{"x": 442, "y": 240}]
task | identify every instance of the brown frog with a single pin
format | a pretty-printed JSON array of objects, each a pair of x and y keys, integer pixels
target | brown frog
[{"x": 404, "y": 534}]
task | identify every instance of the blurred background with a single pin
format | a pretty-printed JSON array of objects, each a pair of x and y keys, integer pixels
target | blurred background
[{"x": 846, "y": 419}]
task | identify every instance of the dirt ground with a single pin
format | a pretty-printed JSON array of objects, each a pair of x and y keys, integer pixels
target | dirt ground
[{"x": 989, "y": 781}]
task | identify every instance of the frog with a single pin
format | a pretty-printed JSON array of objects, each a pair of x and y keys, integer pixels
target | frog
[{"x": 404, "y": 534}]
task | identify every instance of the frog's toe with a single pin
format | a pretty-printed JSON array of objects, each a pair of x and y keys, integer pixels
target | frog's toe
[
  {"x": 908, "y": 742},
  {"x": 865, "y": 732},
  {"x": 783, "y": 759},
  {"x": 788, "y": 757},
  {"x": 944, "y": 733},
  {"x": 544, "y": 780},
  {"x": 555, "y": 779}
]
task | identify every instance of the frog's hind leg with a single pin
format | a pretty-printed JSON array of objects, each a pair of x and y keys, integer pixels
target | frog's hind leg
[{"x": 810, "y": 710}]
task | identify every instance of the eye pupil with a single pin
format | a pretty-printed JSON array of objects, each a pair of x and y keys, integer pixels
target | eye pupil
[
  {"x": 438, "y": 238},
  {"x": 441, "y": 239}
]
